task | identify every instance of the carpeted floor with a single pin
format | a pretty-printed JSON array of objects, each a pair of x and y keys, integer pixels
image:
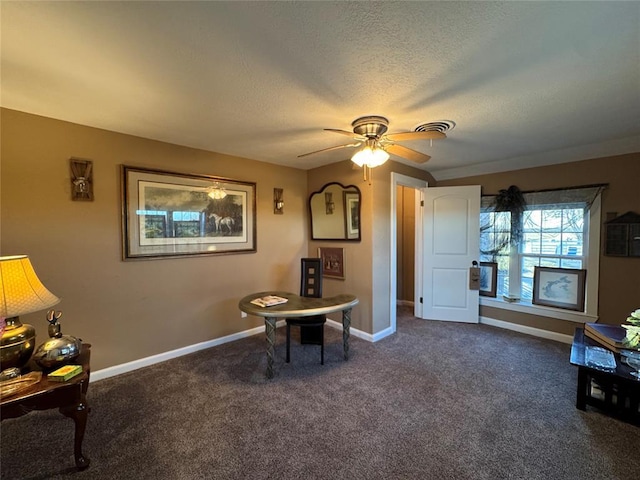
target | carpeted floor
[{"x": 437, "y": 400}]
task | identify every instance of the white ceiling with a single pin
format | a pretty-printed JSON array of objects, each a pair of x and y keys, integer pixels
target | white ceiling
[{"x": 527, "y": 83}]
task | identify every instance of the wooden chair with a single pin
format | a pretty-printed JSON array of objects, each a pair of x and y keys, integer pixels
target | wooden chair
[{"x": 311, "y": 328}]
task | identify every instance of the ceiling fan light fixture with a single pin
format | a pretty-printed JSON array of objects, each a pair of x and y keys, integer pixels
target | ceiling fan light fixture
[
  {"x": 378, "y": 145},
  {"x": 371, "y": 157}
]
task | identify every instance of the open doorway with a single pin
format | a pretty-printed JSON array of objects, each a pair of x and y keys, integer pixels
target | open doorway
[
  {"x": 404, "y": 191},
  {"x": 448, "y": 220},
  {"x": 405, "y": 245}
]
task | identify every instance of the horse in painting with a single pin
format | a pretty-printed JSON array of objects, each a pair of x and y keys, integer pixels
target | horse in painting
[{"x": 224, "y": 225}]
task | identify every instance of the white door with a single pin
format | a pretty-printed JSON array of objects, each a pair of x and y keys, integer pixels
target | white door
[{"x": 451, "y": 222}]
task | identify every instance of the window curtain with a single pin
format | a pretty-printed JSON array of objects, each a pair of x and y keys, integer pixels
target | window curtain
[
  {"x": 579, "y": 196},
  {"x": 515, "y": 202}
]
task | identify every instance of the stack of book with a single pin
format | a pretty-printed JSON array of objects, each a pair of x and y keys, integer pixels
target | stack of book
[
  {"x": 269, "y": 301},
  {"x": 609, "y": 336}
]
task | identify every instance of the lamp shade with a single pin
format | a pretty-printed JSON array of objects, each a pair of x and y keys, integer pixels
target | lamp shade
[
  {"x": 371, "y": 157},
  {"x": 21, "y": 291}
]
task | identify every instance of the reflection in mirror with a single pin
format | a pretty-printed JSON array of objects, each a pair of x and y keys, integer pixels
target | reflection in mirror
[{"x": 335, "y": 213}]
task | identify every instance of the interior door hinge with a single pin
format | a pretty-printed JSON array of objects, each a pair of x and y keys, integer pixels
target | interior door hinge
[
  {"x": 420, "y": 299},
  {"x": 422, "y": 203}
]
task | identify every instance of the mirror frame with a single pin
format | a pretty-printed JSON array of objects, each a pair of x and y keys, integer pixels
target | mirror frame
[{"x": 346, "y": 190}]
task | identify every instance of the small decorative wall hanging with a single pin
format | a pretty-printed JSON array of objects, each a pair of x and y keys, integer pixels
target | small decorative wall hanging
[
  {"x": 81, "y": 179},
  {"x": 328, "y": 203},
  {"x": 332, "y": 262},
  {"x": 278, "y": 201}
]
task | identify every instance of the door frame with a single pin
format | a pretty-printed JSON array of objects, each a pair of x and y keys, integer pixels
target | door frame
[{"x": 397, "y": 179}]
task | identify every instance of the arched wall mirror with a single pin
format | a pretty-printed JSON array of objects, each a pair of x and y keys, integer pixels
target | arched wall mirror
[{"x": 335, "y": 213}]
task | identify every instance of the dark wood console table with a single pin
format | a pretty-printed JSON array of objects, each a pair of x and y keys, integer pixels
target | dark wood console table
[
  {"x": 298, "y": 306},
  {"x": 620, "y": 391},
  {"x": 69, "y": 397}
]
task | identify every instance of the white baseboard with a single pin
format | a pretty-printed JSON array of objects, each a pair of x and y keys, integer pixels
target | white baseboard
[
  {"x": 163, "y": 357},
  {"x": 352, "y": 331},
  {"x": 383, "y": 334},
  {"x": 536, "y": 332}
]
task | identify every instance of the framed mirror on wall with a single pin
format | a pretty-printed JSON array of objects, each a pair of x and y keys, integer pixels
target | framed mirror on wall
[{"x": 334, "y": 212}]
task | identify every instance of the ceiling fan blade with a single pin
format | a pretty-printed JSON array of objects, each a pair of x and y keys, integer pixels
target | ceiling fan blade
[
  {"x": 330, "y": 148},
  {"x": 407, "y": 153},
  {"x": 403, "y": 136},
  {"x": 344, "y": 132}
]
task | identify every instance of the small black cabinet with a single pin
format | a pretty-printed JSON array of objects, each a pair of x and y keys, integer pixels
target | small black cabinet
[{"x": 623, "y": 236}]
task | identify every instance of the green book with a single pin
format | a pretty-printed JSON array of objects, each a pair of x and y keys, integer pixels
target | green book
[{"x": 65, "y": 373}]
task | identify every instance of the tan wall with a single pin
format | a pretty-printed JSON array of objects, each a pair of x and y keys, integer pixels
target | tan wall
[
  {"x": 131, "y": 310},
  {"x": 381, "y": 189},
  {"x": 619, "y": 284},
  {"x": 406, "y": 221},
  {"x": 399, "y": 242},
  {"x": 366, "y": 262},
  {"x": 357, "y": 255}
]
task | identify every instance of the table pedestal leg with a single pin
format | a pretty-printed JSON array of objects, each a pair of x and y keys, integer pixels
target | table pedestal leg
[
  {"x": 78, "y": 414},
  {"x": 270, "y": 328},
  {"x": 346, "y": 326}
]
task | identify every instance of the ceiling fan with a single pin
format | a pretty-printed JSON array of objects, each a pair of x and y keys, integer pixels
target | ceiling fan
[{"x": 370, "y": 131}]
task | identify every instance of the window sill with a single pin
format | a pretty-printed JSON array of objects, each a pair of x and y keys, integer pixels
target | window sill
[{"x": 559, "y": 314}]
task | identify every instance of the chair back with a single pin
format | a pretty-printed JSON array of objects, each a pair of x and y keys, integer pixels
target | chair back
[{"x": 311, "y": 278}]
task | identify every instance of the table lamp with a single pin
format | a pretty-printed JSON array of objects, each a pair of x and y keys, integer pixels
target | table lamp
[{"x": 21, "y": 292}]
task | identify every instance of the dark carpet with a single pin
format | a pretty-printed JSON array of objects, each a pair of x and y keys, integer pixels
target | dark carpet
[{"x": 437, "y": 400}]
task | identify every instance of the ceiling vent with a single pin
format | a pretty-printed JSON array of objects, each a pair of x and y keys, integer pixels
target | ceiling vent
[{"x": 443, "y": 126}]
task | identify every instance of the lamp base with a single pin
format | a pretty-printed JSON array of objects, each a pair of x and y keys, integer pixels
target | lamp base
[{"x": 17, "y": 344}]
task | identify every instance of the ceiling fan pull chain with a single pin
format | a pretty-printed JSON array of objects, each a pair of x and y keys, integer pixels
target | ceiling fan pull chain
[{"x": 366, "y": 173}]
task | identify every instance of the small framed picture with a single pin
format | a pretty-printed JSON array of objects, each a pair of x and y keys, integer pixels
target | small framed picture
[
  {"x": 332, "y": 262},
  {"x": 352, "y": 214},
  {"x": 488, "y": 279},
  {"x": 559, "y": 287}
]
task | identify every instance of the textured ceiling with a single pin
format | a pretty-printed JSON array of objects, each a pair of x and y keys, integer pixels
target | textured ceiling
[{"x": 525, "y": 82}]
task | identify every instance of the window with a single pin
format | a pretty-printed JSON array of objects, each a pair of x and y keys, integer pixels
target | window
[
  {"x": 552, "y": 237},
  {"x": 495, "y": 229},
  {"x": 555, "y": 229}
]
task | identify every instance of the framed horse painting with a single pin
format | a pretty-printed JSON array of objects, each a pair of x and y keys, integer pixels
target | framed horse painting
[{"x": 169, "y": 214}]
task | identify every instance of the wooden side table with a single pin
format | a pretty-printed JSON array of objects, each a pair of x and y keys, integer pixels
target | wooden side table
[{"x": 69, "y": 397}]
